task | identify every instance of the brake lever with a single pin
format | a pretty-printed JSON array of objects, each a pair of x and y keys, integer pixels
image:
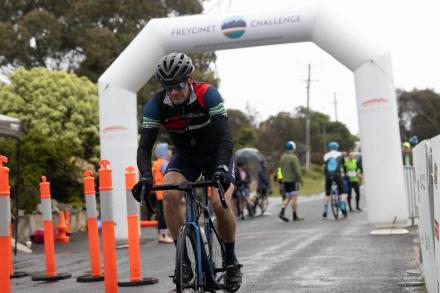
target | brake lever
[{"x": 222, "y": 195}]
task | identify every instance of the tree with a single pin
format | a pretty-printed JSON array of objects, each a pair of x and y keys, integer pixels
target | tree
[
  {"x": 60, "y": 113},
  {"x": 418, "y": 113},
  {"x": 84, "y": 36},
  {"x": 277, "y": 130}
]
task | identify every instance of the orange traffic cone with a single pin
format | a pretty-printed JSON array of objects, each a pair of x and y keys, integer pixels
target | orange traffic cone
[
  {"x": 69, "y": 231},
  {"x": 62, "y": 230}
]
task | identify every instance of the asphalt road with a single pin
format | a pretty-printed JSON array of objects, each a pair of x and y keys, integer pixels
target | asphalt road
[{"x": 314, "y": 255}]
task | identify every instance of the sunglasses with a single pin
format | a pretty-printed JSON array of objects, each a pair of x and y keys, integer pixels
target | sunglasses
[{"x": 175, "y": 86}]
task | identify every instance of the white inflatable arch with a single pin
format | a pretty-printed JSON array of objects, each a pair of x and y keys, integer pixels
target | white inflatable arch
[{"x": 323, "y": 25}]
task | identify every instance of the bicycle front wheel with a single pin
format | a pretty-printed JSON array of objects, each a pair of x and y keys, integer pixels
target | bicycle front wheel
[
  {"x": 334, "y": 204},
  {"x": 215, "y": 256},
  {"x": 187, "y": 262}
]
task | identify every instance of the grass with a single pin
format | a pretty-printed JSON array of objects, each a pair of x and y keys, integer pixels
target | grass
[{"x": 313, "y": 182}]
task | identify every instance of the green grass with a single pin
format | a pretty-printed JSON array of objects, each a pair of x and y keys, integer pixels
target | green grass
[{"x": 313, "y": 182}]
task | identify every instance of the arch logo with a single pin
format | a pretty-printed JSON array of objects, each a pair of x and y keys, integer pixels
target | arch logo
[{"x": 234, "y": 27}]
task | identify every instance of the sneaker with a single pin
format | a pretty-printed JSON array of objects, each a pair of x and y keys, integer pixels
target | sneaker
[
  {"x": 233, "y": 277},
  {"x": 283, "y": 217},
  {"x": 359, "y": 209},
  {"x": 298, "y": 219},
  {"x": 164, "y": 238}
]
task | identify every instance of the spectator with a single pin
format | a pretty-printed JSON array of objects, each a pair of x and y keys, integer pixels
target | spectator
[
  {"x": 292, "y": 179},
  {"x": 242, "y": 192},
  {"x": 353, "y": 173},
  {"x": 158, "y": 169},
  {"x": 407, "y": 154}
]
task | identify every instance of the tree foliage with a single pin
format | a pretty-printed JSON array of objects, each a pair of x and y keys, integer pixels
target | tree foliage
[
  {"x": 80, "y": 35},
  {"x": 273, "y": 134},
  {"x": 419, "y": 113},
  {"x": 60, "y": 112}
]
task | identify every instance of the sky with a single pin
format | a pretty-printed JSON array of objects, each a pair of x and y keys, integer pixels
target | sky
[{"x": 273, "y": 78}]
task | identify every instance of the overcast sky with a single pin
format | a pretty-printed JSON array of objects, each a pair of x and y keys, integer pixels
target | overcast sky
[{"x": 272, "y": 78}]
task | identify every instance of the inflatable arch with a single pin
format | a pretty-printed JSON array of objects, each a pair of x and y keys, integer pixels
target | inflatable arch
[{"x": 322, "y": 24}]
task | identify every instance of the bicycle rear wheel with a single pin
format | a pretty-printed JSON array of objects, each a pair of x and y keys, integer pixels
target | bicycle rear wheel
[
  {"x": 187, "y": 262},
  {"x": 334, "y": 204}
]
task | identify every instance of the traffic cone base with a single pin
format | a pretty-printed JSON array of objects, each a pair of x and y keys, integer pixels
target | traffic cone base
[
  {"x": 89, "y": 278},
  {"x": 142, "y": 282},
  {"x": 17, "y": 275},
  {"x": 47, "y": 278}
]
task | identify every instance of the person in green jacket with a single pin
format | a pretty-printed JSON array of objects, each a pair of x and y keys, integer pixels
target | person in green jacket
[
  {"x": 353, "y": 172},
  {"x": 292, "y": 179}
]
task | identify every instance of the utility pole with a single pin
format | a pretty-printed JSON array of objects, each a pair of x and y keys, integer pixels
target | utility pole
[
  {"x": 309, "y": 150},
  {"x": 335, "y": 102}
]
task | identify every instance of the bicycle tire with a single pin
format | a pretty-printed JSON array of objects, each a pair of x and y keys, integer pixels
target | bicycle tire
[
  {"x": 186, "y": 242},
  {"x": 216, "y": 259},
  {"x": 334, "y": 204}
]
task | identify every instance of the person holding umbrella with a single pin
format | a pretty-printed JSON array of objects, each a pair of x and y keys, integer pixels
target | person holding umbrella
[{"x": 292, "y": 178}]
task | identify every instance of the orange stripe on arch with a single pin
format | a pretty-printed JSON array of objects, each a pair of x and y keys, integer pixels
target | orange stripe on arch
[{"x": 375, "y": 101}]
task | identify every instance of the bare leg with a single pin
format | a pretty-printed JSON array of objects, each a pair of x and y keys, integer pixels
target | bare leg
[
  {"x": 286, "y": 202},
  {"x": 294, "y": 203},
  {"x": 172, "y": 204},
  {"x": 225, "y": 217}
]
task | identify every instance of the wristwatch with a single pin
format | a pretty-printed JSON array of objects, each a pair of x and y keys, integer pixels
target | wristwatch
[{"x": 223, "y": 168}]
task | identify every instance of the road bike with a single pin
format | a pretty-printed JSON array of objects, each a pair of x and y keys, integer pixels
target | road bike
[
  {"x": 200, "y": 250},
  {"x": 334, "y": 199}
]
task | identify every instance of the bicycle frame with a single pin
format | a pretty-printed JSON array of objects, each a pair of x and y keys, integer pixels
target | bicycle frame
[{"x": 192, "y": 216}]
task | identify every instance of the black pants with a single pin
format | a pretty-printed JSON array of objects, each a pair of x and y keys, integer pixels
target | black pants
[
  {"x": 355, "y": 186},
  {"x": 160, "y": 217}
]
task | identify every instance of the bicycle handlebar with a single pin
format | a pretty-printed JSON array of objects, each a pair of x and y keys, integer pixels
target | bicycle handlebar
[{"x": 189, "y": 186}]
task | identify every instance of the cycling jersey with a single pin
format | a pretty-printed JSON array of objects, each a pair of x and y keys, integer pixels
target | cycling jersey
[
  {"x": 333, "y": 162},
  {"x": 333, "y": 173},
  {"x": 197, "y": 128}
]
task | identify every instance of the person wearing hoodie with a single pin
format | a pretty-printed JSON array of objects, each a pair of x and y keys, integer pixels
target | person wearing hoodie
[
  {"x": 292, "y": 179},
  {"x": 158, "y": 169}
]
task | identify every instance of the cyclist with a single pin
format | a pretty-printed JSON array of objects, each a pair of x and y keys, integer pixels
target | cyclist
[
  {"x": 196, "y": 119},
  {"x": 292, "y": 179},
  {"x": 333, "y": 161}
]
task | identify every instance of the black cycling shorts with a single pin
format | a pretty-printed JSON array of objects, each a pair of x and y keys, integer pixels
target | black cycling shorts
[
  {"x": 290, "y": 187},
  {"x": 192, "y": 167},
  {"x": 329, "y": 181}
]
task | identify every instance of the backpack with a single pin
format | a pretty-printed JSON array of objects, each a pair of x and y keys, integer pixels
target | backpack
[{"x": 332, "y": 165}]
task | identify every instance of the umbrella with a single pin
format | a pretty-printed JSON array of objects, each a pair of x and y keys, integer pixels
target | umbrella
[{"x": 248, "y": 156}]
